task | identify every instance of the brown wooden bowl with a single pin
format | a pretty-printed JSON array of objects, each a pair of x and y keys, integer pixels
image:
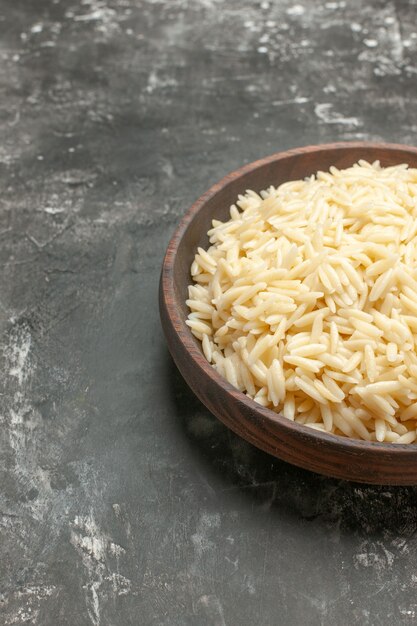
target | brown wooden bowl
[{"x": 332, "y": 455}]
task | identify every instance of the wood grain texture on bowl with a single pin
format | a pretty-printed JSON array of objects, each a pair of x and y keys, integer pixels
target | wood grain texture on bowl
[{"x": 331, "y": 455}]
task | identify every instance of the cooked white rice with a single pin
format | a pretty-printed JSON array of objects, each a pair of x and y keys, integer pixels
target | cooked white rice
[{"x": 306, "y": 300}]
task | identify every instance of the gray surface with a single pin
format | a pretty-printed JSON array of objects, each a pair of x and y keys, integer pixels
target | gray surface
[{"x": 123, "y": 501}]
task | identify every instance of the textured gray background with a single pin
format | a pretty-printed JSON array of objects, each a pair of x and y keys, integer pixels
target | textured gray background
[{"x": 123, "y": 501}]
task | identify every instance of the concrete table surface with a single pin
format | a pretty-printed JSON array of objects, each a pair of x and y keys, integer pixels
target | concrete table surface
[{"x": 123, "y": 501}]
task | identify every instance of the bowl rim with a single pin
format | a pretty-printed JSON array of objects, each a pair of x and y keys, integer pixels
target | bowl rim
[{"x": 184, "y": 335}]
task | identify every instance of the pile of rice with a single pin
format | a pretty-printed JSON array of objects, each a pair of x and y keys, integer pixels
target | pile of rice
[{"x": 306, "y": 300}]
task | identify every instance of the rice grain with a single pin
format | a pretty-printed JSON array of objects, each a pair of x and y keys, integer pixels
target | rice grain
[{"x": 306, "y": 299}]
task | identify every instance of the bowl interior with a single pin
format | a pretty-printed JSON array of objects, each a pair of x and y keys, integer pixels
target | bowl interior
[{"x": 272, "y": 171}]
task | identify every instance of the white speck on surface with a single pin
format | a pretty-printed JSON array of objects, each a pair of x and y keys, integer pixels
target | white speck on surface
[
  {"x": 296, "y": 9},
  {"x": 116, "y": 508},
  {"x": 333, "y": 6},
  {"x": 324, "y": 111},
  {"x": 36, "y": 28},
  {"x": 120, "y": 584},
  {"x": 371, "y": 43},
  {"x": 155, "y": 82},
  {"x": 355, "y": 27},
  {"x": 53, "y": 210},
  {"x": 263, "y": 50},
  {"x": 116, "y": 549},
  {"x": 296, "y": 100}
]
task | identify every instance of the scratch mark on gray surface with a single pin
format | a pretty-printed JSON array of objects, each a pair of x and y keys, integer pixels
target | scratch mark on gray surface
[
  {"x": 30, "y": 597},
  {"x": 18, "y": 357},
  {"x": 96, "y": 549},
  {"x": 375, "y": 555},
  {"x": 213, "y": 608},
  {"x": 325, "y": 113},
  {"x": 23, "y": 419},
  {"x": 201, "y": 538},
  {"x": 43, "y": 244},
  {"x": 263, "y": 572}
]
